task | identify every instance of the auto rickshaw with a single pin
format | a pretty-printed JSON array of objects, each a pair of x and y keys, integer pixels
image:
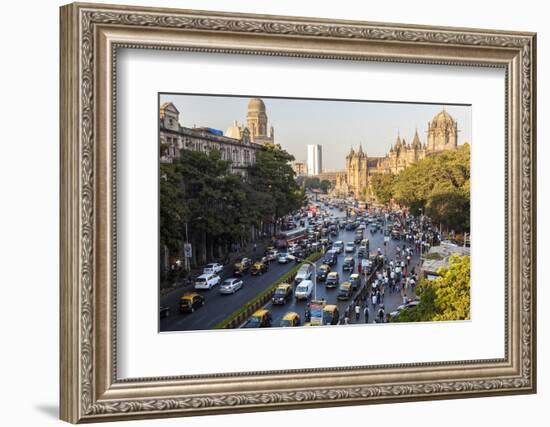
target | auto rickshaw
[
  {"x": 242, "y": 267},
  {"x": 355, "y": 280},
  {"x": 345, "y": 291},
  {"x": 259, "y": 267},
  {"x": 331, "y": 316},
  {"x": 290, "y": 319}
]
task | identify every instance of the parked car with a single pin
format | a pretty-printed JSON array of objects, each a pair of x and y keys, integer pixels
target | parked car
[
  {"x": 350, "y": 247},
  {"x": 345, "y": 291},
  {"x": 323, "y": 272},
  {"x": 304, "y": 273},
  {"x": 259, "y": 267},
  {"x": 230, "y": 286},
  {"x": 333, "y": 279},
  {"x": 242, "y": 266},
  {"x": 407, "y": 306},
  {"x": 282, "y": 294},
  {"x": 213, "y": 267},
  {"x": 331, "y": 316},
  {"x": 304, "y": 290},
  {"x": 259, "y": 319},
  {"x": 190, "y": 302},
  {"x": 290, "y": 319},
  {"x": 283, "y": 258},
  {"x": 207, "y": 281},
  {"x": 349, "y": 264}
]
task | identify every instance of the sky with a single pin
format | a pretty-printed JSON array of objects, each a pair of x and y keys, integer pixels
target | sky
[{"x": 336, "y": 125}]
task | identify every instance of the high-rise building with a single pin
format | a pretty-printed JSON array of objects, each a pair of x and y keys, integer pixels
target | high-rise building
[{"x": 314, "y": 159}]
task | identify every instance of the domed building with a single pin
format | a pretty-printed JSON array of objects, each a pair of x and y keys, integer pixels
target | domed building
[
  {"x": 256, "y": 120},
  {"x": 441, "y": 135}
]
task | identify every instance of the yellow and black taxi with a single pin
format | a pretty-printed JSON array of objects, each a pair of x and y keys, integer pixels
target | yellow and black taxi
[
  {"x": 259, "y": 319},
  {"x": 323, "y": 272},
  {"x": 282, "y": 294},
  {"x": 190, "y": 302},
  {"x": 333, "y": 279},
  {"x": 290, "y": 319},
  {"x": 241, "y": 267},
  {"x": 331, "y": 316},
  {"x": 345, "y": 291},
  {"x": 259, "y": 267},
  {"x": 355, "y": 280}
]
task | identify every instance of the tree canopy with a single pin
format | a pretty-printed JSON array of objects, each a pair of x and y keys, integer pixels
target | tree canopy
[
  {"x": 438, "y": 184},
  {"x": 447, "y": 297},
  {"x": 221, "y": 207}
]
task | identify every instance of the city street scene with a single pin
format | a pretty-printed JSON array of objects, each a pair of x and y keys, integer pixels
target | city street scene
[{"x": 282, "y": 212}]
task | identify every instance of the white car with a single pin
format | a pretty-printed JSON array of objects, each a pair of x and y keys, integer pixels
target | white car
[
  {"x": 304, "y": 273},
  {"x": 207, "y": 281},
  {"x": 304, "y": 290},
  {"x": 282, "y": 258},
  {"x": 338, "y": 246},
  {"x": 272, "y": 255},
  {"x": 230, "y": 286},
  {"x": 350, "y": 247},
  {"x": 212, "y": 268}
]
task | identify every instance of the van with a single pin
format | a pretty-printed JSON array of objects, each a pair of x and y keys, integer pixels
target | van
[
  {"x": 304, "y": 273},
  {"x": 304, "y": 290}
]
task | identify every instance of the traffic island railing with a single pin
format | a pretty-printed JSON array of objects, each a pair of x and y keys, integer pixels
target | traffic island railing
[{"x": 239, "y": 316}]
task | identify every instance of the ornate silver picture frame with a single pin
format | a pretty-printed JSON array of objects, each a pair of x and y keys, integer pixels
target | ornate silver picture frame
[{"x": 91, "y": 390}]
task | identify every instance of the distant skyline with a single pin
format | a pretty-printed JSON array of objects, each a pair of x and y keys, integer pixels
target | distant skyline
[{"x": 335, "y": 125}]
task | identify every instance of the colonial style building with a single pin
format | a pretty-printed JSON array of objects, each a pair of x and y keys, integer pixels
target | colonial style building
[
  {"x": 442, "y": 135},
  {"x": 299, "y": 167},
  {"x": 238, "y": 144}
]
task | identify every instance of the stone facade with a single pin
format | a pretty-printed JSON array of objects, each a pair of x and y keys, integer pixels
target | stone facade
[
  {"x": 299, "y": 167},
  {"x": 237, "y": 144},
  {"x": 441, "y": 135}
]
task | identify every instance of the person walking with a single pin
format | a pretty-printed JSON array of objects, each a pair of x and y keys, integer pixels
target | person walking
[
  {"x": 366, "y": 313},
  {"x": 357, "y": 312},
  {"x": 381, "y": 314}
]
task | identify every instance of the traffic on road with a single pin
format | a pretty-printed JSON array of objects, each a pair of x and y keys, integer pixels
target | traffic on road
[{"x": 366, "y": 271}]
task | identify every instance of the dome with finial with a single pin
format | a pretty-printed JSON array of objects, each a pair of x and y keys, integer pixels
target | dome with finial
[
  {"x": 256, "y": 104},
  {"x": 442, "y": 119}
]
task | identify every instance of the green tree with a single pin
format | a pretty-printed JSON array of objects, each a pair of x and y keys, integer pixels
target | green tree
[
  {"x": 273, "y": 177},
  {"x": 440, "y": 185},
  {"x": 452, "y": 290},
  {"x": 325, "y": 186},
  {"x": 382, "y": 186},
  {"x": 447, "y": 297}
]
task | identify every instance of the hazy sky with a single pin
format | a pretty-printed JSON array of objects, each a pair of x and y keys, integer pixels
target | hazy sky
[{"x": 336, "y": 125}]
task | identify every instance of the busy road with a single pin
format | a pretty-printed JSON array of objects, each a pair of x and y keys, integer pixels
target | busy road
[{"x": 216, "y": 306}]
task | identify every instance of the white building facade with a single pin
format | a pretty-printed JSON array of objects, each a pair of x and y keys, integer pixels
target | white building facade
[{"x": 314, "y": 159}]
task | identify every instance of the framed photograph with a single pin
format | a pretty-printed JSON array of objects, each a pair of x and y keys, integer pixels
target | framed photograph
[{"x": 268, "y": 213}]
